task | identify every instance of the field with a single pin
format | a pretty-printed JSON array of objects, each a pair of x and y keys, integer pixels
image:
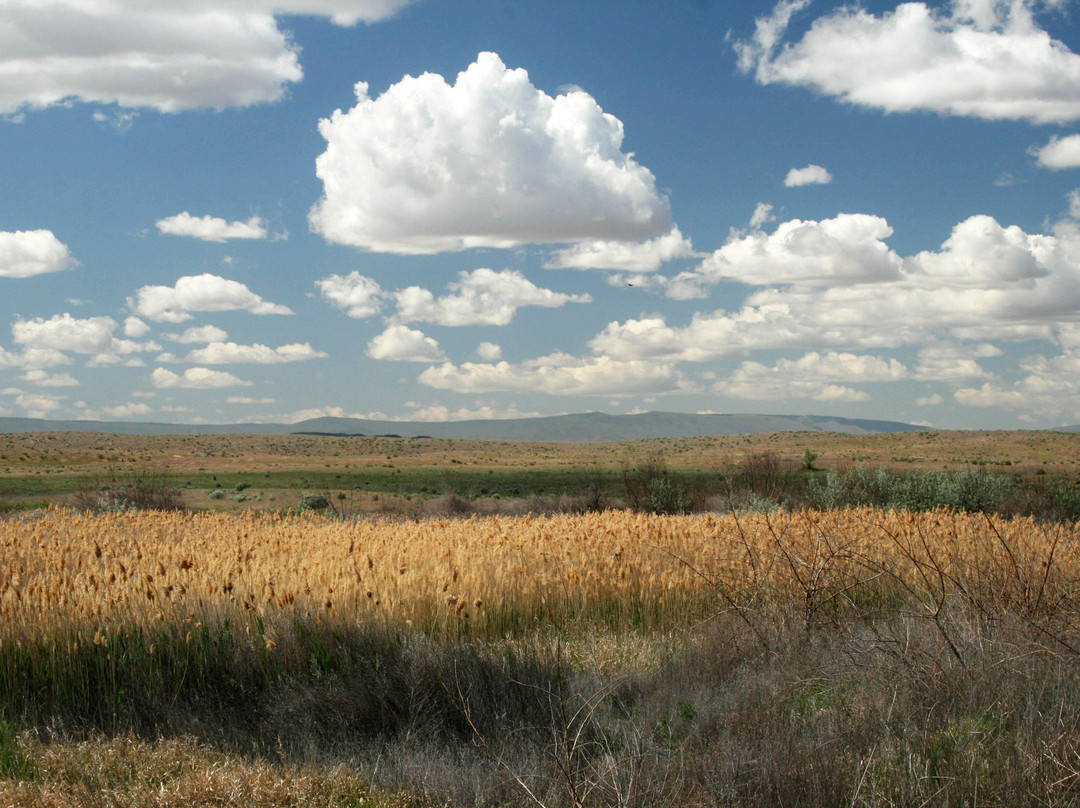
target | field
[
  {"x": 401, "y": 475},
  {"x": 483, "y": 654}
]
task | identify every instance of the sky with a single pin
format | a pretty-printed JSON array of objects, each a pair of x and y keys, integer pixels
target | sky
[{"x": 226, "y": 211}]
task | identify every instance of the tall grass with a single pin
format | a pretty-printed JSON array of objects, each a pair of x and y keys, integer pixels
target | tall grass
[{"x": 858, "y": 657}]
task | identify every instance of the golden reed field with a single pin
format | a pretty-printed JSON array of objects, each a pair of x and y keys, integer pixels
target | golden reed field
[
  {"x": 77, "y": 577},
  {"x": 848, "y": 657}
]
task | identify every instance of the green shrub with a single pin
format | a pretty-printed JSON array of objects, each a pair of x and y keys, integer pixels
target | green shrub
[{"x": 313, "y": 502}]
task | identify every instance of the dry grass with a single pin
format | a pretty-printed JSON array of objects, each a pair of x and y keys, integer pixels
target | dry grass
[
  {"x": 94, "y": 453},
  {"x": 76, "y": 578},
  {"x": 176, "y": 773},
  {"x": 855, "y": 657}
]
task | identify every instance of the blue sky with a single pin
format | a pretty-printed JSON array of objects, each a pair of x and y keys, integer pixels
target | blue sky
[{"x": 247, "y": 210}]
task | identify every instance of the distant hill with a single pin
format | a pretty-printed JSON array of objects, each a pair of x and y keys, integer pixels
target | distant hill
[{"x": 592, "y": 426}]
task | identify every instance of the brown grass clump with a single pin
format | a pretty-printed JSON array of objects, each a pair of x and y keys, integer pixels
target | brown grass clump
[{"x": 176, "y": 773}]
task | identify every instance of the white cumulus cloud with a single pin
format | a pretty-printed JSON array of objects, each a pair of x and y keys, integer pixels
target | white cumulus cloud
[
  {"x": 557, "y": 374},
  {"x": 161, "y": 54},
  {"x": 41, "y": 378},
  {"x": 489, "y": 351},
  {"x": 195, "y": 379},
  {"x": 848, "y": 249},
  {"x": 46, "y": 341},
  {"x": 814, "y": 376},
  {"x": 1059, "y": 153},
  {"x": 39, "y": 405},
  {"x": 205, "y": 292},
  {"x": 25, "y": 253},
  {"x": 199, "y": 334},
  {"x": 978, "y": 58},
  {"x": 403, "y": 344},
  {"x": 489, "y": 161},
  {"x": 230, "y": 353},
  {"x": 986, "y": 282},
  {"x": 211, "y": 228},
  {"x": 127, "y": 410},
  {"x": 480, "y": 297},
  {"x": 358, "y": 294},
  {"x": 626, "y": 256},
  {"x": 811, "y": 175}
]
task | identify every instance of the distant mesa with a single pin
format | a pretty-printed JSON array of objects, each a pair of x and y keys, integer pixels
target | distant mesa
[{"x": 581, "y": 427}]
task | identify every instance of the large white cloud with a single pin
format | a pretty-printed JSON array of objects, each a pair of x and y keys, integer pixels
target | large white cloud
[
  {"x": 230, "y": 353},
  {"x": 987, "y": 282},
  {"x": 160, "y": 54},
  {"x": 403, "y": 344},
  {"x": 489, "y": 161},
  {"x": 173, "y": 304},
  {"x": 557, "y": 374},
  {"x": 25, "y": 253},
  {"x": 195, "y": 379},
  {"x": 358, "y": 294},
  {"x": 983, "y": 58},
  {"x": 211, "y": 228},
  {"x": 480, "y": 297}
]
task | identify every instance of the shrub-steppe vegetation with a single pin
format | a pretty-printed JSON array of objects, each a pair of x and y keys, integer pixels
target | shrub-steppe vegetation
[{"x": 765, "y": 629}]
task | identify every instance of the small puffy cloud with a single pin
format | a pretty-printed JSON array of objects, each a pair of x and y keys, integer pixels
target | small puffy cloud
[
  {"x": 38, "y": 405},
  {"x": 481, "y": 297},
  {"x": 248, "y": 400},
  {"x": 811, "y": 175},
  {"x": 990, "y": 395},
  {"x": 210, "y": 228},
  {"x": 41, "y": 378},
  {"x": 359, "y": 295},
  {"x": 762, "y": 216},
  {"x": 952, "y": 362},
  {"x": 159, "y": 54},
  {"x": 441, "y": 413},
  {"x": 929, "y": 401},
  {"x": 205, "y": 292},
  {"x": 626, "y": 256},
  {"x": 26, "y": 253},
  {"x": 489, "y": 351},
  {"x": 230, "y": 353},
  {"x": 62, "y": 332},
  {"x": 973, "y": 58},
  {"x": 195, "y": 379},
  {"x": 135, "y": 328},
  {"x": 403, "y": 344},
  {"x": 557, "y": 374},
  {"x": 199, "y": 334},
  {"x": 1059, "y": 153},
  {"x": 127, "y": 410},
  {"x": 489, "y": 161}
]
